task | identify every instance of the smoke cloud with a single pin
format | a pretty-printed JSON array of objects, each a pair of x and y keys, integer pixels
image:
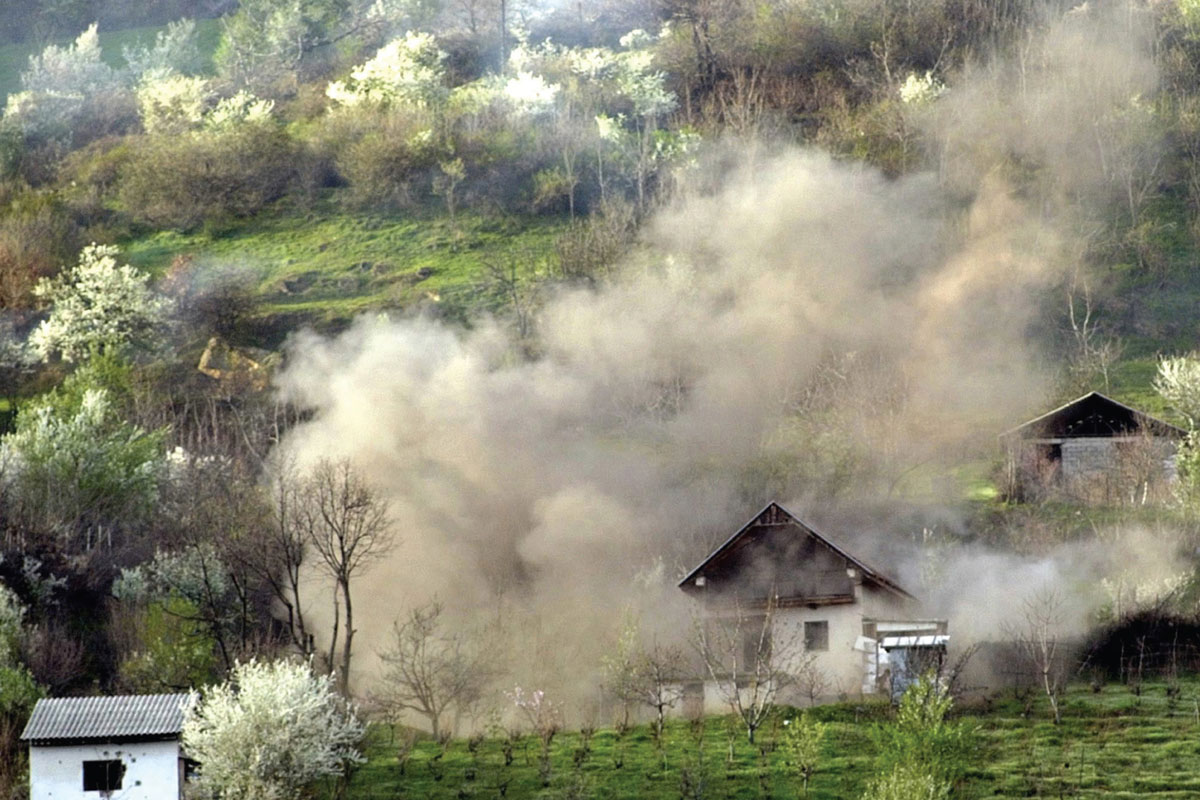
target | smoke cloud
[{"x": 809, "y": 331}]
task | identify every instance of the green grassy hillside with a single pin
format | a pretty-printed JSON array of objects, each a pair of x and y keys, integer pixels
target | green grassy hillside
[
  {"x": 1112, "y": 743},
  {"x": 323, "y": 268}
]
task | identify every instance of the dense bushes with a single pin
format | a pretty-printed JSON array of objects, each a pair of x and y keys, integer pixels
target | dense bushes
[
  {"x": 36, "y": 237},
  {"x": 182, "y": 182}
]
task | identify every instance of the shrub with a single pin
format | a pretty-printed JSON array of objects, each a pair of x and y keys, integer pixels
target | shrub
[
  {"x": 269, "y": 732},
  {"x": 36, "y": 236},
  {"x": 384, "y": 162},
  {"x": 209, "y": 177}
]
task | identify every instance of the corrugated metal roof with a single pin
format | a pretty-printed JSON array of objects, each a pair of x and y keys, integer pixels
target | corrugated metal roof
[
  {"x": 106, "y": 718},
  {"x": 939, "y": 640}
]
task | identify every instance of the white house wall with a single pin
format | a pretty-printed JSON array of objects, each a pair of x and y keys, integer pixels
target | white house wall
[
  {"x": 840, "y": 666},
  {"x": 151, "y": 770}
]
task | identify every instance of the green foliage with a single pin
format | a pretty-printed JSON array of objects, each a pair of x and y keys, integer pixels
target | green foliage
[
  {"x": 803, "y": 739},
  {"x": 79, "y": 469},
  {"x": 923, "y": 743},
  {"x": 175, "y": 649},
  {"x": 175, "y": 50},
  {"x": 1111, "y": 744},
  {"x": 266, "y": 44},
  {"x": 211, "y": 177},
  {"x": 37, "y": 235},
  {"x": 18, "y": 692},
  {"x": 907, "y": 782},
  {"x": 386, "y": 158},
  {"x": 12, "y": 616}
]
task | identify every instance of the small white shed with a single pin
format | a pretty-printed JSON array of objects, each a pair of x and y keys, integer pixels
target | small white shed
[{"x": 85, "y": 748}]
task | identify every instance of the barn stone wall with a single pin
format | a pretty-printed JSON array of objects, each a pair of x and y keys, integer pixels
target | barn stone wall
[{"x": 1086, "y": 457}]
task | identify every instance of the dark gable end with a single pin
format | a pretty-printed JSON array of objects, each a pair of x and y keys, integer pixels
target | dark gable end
[
  {"x": 777, "y": 553},
  {"x": 77, "y": 720},
  {"x": 1093, "y": 414}
]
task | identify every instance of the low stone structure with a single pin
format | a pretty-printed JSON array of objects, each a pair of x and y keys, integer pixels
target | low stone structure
[{"x": 1093, "y": 449}]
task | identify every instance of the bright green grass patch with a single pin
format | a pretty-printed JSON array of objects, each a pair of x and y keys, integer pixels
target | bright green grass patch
[
  {"x": 14, "y": 58},
  {"x": 327, "y": 268},
  {"x": 1112, "y": 743}
]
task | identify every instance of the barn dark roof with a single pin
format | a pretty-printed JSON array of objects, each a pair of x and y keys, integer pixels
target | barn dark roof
[
  {"x": 775, "y": 516},
  {"x": 1093, "y": 414},
  {"x": 82, "y": 719}
]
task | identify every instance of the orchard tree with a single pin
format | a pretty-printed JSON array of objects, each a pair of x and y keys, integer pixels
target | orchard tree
[
  {"x": 97, "y": 307},
  {"x": 431, "y": 670},
  {"x": 174, "y": 51},
  {"x": 270, "y": 732}
]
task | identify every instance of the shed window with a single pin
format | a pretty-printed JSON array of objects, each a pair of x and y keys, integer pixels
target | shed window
[
  {"x": 816, "y": 635},
  {"x": 103, "y": 776}
]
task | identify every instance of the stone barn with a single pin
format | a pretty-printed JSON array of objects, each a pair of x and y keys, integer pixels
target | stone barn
[
  {"x": 1093, "y": 449},
  {"x": 844, "y": 622},
  {"x": 81, "y": 748}
]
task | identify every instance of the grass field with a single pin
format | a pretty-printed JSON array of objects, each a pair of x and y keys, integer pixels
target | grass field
[
  {"x": 325, "y": 268},
  {"x": 1112, "y": 743}
]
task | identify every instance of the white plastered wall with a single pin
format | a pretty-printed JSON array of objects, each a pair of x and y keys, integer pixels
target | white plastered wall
[{"x": 151, "y": 770}]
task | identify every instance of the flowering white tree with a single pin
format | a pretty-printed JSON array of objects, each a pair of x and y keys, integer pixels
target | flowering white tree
[
  {"x": 97, "y": 306},
  {"x": 172, "y": 103},
  {"x": 408, "y": 71},
  {"x": 62, "y": 85},
  {"x": 269, "y": 732},
  {"x": 87, "y": 470}
]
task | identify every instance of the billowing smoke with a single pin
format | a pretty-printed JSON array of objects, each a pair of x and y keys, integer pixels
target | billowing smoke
[{"x": 810, "y": 332}]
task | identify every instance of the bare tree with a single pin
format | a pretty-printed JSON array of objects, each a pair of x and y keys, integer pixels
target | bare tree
[
  {"x": 1095, "y": 353},
  {"x": 277, "y": 554},
  {"x": 431, "y": 671},
  {"x": 346, "y": 523},
  {"x": 650, "y": 676},
  {"x": 1037, "y": 639},
  {"x": 748, "y": 659}
]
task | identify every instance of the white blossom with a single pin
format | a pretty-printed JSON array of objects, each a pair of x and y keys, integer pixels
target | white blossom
[
  {"x": 242, "y": 108},
  {"x": 270, "y": 731},
  {"x": 96, "y": 305},
  {"x": 919, "y": 89},
  {"x": 530, "y": 94},
  {"x": 172, "y": 103},
  {"x": 407, "y": 70},
  {"x": 61, "y": 84}
]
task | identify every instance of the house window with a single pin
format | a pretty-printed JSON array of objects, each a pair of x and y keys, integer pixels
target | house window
[
  {"x": 816, "y": 635},
  {"x": 103, "y": 776}
]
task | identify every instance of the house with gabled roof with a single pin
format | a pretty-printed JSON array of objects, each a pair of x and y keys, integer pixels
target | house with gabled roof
[
  {"x": 1092, "y": 449},
  {"x": 82, "y": 748},
  {"x": 849, "y": 624}
]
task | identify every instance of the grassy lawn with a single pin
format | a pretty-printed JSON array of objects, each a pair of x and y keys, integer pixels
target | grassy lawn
[
  {"x": 325, "y": 268},
  {"x": 1112, "y": 743}
]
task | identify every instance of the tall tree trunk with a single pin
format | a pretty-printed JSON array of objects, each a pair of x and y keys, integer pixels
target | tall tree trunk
[{"x": 345, "y": 677}]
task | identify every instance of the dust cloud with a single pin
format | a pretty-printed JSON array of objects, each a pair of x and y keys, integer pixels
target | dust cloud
[{"x": 809, "y": 331}]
